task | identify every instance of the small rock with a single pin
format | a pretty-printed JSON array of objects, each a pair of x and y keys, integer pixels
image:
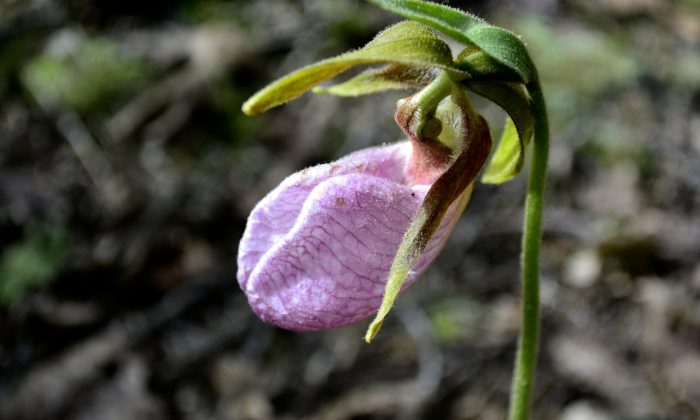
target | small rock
[
  {"x": 584, "y": 410},
  {"x": 582, "y": 269},
  {"x": 696, "y": 278},
  {"x": 683, "y": 376}
]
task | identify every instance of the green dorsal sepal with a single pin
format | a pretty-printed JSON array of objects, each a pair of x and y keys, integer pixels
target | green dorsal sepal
[{"x": 500, "y": 45}]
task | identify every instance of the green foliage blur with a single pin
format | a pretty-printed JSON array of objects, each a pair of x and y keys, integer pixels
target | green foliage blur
[
  {"x": 92, "y": 76},
  {"x": 32, "y": 262}
]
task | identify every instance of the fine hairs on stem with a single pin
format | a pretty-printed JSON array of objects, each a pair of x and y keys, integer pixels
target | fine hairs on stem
[{"x": 528, "y": 342}]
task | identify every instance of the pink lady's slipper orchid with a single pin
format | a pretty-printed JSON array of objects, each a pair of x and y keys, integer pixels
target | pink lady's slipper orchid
[
  {"x": 338, "y": 242},
  {"x": 317, "y": 250}
]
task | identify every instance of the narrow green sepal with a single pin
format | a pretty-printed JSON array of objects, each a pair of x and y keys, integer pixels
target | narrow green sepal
[
  {"x": 406, "y": 43},
  {"x": 501, "y": 45},
  {"x": 392, "y": 76}
]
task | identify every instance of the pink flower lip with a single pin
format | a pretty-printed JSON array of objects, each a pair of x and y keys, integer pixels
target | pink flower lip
[{"x": 317, "y": 249}]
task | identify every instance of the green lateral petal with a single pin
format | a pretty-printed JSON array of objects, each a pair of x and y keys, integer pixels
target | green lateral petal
[
  {"x": 509, "y": 157},
  {"x": 393, "y": 76},
  {"x": 455, "y": 183},
  {"x": 407, "y": 43},
  {"x": 507, "y": 160},
  {"x": 420, "y": 231},
  {"x": 501, "y": 45}
]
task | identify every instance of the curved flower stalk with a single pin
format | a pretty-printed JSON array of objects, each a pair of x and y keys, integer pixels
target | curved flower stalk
[{"x": 338, "y": 242}]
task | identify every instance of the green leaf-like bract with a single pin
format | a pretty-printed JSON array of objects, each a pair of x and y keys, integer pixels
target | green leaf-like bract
[
  {"x": 406, "y": 43},
  {"x": 500, "y": 45}
]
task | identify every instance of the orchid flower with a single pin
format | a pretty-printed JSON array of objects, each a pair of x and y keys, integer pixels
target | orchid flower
[
  {"x": 318, "y": 249},
  {"x": 338, "y": 242}
]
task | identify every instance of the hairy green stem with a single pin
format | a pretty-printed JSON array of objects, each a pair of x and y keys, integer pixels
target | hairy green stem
[{"x": 528, "y": 342}]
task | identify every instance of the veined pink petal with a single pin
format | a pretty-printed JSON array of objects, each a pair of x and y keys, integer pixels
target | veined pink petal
[{"x": 317, "y": 250}]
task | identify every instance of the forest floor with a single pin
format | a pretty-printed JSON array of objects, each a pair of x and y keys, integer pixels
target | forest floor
[{"x": 127, "y": 172}]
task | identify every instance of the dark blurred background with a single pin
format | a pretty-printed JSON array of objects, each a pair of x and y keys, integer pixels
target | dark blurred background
[{"x": 127, "y": 171}]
